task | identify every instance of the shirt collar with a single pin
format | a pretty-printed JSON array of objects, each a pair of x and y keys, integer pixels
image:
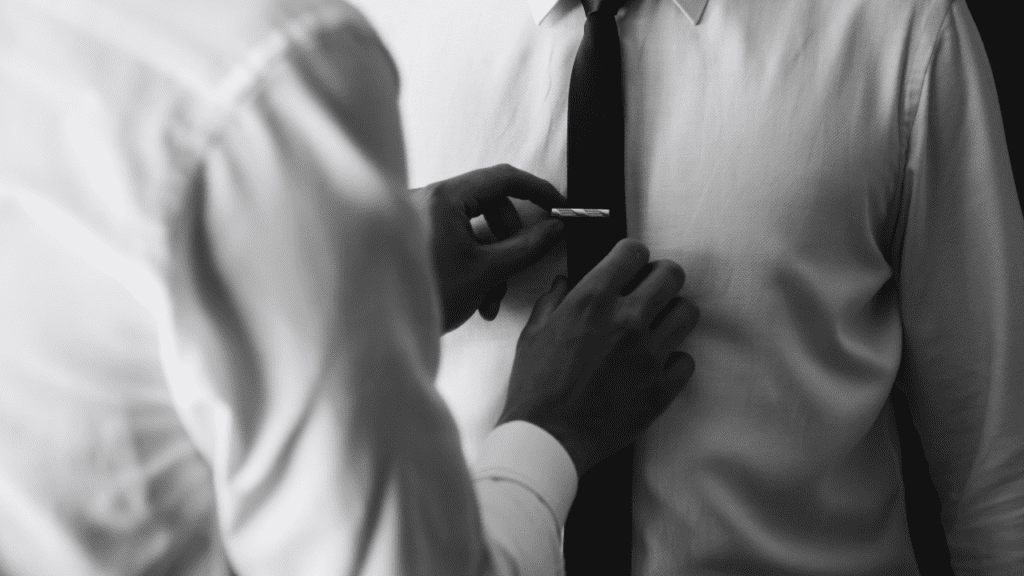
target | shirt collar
[{"x": 693, "y": 8}]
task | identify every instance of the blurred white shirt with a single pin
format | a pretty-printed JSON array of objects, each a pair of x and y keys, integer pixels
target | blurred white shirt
[
  {"x": 834, "y": 179},
  {"x": 218, "y": 325}
]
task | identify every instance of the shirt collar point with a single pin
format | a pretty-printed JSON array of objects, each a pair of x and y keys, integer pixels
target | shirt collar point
[
  {"x": 694, "y": 9},
  {"x": 539, "y": 9}
]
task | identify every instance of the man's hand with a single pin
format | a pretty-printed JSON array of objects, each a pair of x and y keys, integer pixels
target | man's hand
[
  {"x": 471, "y": 273},
  {"x": 596, "y": 366}
]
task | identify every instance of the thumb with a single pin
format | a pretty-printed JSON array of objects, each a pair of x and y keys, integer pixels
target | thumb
[
  {"x": 509, "y": 256},
  {"x": 491, "y": 305},
  {"x": 548, "y": 301}
]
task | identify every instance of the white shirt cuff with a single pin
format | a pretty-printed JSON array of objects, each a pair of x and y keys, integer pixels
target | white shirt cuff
[{"x": 525, "y": 453}]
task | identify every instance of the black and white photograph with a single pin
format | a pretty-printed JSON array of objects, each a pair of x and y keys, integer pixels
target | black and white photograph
[{"x": 511, "y": 288}]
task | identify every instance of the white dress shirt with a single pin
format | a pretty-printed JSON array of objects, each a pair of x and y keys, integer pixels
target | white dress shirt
[
  {"x": 834, "y": 179},
  {"x": 219, "y": 328}
]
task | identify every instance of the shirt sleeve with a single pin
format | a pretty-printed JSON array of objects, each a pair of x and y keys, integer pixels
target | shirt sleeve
[
  {"x": 306, "y": 338},
  {"x": 525, "y": 478},
  {"x": 961, "y": 289}
]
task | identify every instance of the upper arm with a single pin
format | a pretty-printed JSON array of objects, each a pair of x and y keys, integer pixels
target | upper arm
[
  {"x": 961, "y": 278},
  {"x": 308, "y": 327}
]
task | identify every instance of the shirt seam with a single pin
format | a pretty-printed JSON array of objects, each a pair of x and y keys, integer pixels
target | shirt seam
[
  {"x": 944, "y": 25},
  {"x": 899, "y": 229},
  {"x": 910, "y": 119}
]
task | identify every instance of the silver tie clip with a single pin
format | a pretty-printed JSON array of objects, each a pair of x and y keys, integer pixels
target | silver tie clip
[{"x": 579, "y": 212}]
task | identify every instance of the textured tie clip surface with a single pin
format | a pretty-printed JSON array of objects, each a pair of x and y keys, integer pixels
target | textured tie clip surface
[{"x": 580, "y": 212}]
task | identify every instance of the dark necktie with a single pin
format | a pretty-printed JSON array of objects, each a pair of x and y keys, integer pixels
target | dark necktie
[{"x": 598, "y": 531}]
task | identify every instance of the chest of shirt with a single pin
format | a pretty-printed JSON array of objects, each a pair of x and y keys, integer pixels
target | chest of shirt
[
  {"x": 749, "y": 136},
  {"x": 764, "y": 153}
]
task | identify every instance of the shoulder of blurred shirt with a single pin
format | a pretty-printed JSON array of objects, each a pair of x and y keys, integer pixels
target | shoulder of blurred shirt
[{"x": 122, "y": 97}]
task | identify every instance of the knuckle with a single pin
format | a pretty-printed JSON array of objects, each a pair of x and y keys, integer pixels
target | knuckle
[
  {"x": 588, "y": 300},
  {"x": 635, "y": 317},
  {"x": 619, "y": 324},
  {"x": 600, "y": 297},
  {"x": 630, "y": 322}
]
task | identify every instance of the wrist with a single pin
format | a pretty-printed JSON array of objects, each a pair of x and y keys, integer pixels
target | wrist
[{"x": 577, "y": 449}]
